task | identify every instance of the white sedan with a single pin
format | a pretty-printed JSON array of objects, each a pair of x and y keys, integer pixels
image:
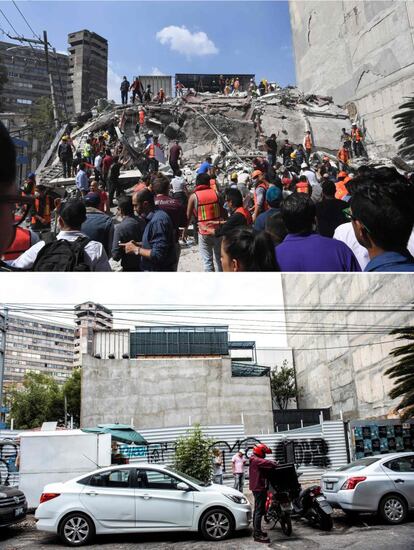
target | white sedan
[{"x": 139, "y": 498}]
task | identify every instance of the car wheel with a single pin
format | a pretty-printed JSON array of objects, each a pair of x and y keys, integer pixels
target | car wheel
[
  {"x": 217, "y": 524},
  {"x": 76, "y": 529},
  {"x": 393, "y": 509}
]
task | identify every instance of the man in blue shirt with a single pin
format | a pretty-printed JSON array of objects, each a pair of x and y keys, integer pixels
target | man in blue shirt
[
  {"x": 82, "y": 181},
  {"x": 382, "y": 215},
  {"x": 205, "y": 166},
  {"x": 157, "y": 249},
  {"x": 305, "y": 250},
  {"x": 273, "y": 198}
]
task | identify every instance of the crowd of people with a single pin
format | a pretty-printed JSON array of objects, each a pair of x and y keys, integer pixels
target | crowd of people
[{"x": 290, "y": 211}]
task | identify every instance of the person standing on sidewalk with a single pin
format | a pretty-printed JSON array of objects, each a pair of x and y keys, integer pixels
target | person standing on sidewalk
[
  {"x": 237, "y": 465},
  {"x": 258, "y": 485},
  {"x": 217, "y": 467}
]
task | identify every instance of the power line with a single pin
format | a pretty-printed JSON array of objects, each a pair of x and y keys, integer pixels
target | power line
[{"x": 27, "y": 23}]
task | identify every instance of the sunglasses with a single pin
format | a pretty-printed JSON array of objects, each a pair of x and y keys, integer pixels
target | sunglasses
[
  {"x": 350, "y": 217},
  {"x": 21, "y": 205}
]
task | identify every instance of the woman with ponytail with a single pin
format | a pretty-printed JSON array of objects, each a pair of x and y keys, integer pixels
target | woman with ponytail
[{"x": 243, "y": 249}]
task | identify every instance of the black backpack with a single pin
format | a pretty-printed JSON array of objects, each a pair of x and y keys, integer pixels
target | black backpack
[{"x": 62, "y": 255}]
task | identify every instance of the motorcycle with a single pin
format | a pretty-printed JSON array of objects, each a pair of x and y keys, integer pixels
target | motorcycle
[
  {"x": 311, "y": 504},
  {"x": 278, "y": 508}
]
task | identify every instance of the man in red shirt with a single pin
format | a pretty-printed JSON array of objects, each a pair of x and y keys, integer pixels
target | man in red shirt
[
  {"x": 174, "y": 156},
  {"x": 106, "y": 164},
  {"x": 258, "y": 484}
]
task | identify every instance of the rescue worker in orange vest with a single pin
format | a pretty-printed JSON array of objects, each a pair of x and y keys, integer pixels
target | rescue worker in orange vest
[
  {"x": 150, "y": 154},
  {"x": 23, "y": 240},
  {"x": 204, "y": 205},
  {"x": 356, "y": 136},
  {"x": 303, "y": 186},
  {"x": 343, "y": 157},
  {"x": 42, "y": 209},
  {"x": 259, "y": 197},
  {"x": 30, "y": 184},
  {"x": 307, "y": 144},
  {"x": 341, "y": 190},
  {"x": 238, "y": 214},
  {"x": 161, "y": 96}
]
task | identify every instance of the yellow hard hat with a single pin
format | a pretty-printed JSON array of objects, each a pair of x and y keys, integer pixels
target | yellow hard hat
[
  {"x": 234, "y": 176},
  {"x": 293, "y": 155},
  {"x": 64, "y": 138}
]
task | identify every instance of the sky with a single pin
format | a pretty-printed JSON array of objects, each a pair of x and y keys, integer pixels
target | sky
[
  {"x": 168, "y": 37},
  {"x": 267, "y": 328}
]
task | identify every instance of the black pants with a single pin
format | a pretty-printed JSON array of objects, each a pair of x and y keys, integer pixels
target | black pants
[
  {"x": 174, "y": 166},
  {"x": 67, "y": 166},
  {"x": 259, "y": 511},
  {"x": 114, "y": 187},
  {"x": 124, "y": 97},
  {"x": 153, "y": 165},
  {"x": 139, "y": 94},
  {"x": 358, "y": 148}
]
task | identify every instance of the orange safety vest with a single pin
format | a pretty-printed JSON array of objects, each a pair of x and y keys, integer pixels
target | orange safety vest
[
  {"x": 341, "y": 190},
  {"x": 308, "y": 142},
  {"x": 151, "y": 151},
  {"x": 302, "y": 187},
  {"x": 343, "y": 155},
  {"x": 21, "y": 243},
  {"x": 264, "y": 186},
  {"x": 213, "y": 184},
  {"x": 208, "y": 208},
  {"x": 246, "y": 214},
  {"x": 141, "y": 118},
  {"x": 46, "y": 214},
  {"x": 356, "y": 134}
]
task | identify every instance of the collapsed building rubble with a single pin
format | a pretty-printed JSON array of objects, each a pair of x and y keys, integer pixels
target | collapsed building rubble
[{"x": 205, "y": 124}]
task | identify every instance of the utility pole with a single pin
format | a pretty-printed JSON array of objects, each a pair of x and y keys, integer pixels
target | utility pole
[
  {"x": 3, "y": 329},
  {"x": 45, "y": 44}
]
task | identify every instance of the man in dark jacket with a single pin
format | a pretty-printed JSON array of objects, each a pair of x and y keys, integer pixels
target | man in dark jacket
[
  {"x": 124, "y": 90},
  {"x": 157, "y": 250},
  {"x": 259, "y": 468},
  {"x": 98, "y": 226},
  {"x": 131, "y": 228}
]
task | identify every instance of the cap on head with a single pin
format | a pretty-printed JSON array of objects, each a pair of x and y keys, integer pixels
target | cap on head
[
  {"x": 256, "y": 174},
  {"x": 92, "y": 199},
  {"x": 273, "y": 195}
]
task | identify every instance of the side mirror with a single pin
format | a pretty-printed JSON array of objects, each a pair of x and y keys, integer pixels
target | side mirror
[{"x": 181, "y": 486}]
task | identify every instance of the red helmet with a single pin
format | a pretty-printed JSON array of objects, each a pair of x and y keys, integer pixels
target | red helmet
[{"x": 261, "y": 450}]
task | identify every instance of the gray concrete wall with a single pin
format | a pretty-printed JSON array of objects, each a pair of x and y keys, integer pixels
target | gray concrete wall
[
  {"x": 166, "y": 392},
  {"x": 357, "y": 51},
  {"x": 350, "y": 377}
]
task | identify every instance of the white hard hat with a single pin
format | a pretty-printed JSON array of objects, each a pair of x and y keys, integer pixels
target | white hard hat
[
  {"x": 150, "y": 133},
  {"x": 303, "y": 165},
  {"x": 242, "y": 451}
]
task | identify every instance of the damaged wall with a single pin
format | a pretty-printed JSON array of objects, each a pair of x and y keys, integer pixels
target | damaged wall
[
  {"x": 359, "y": 51},
  {"x": 341, "y": 358}
]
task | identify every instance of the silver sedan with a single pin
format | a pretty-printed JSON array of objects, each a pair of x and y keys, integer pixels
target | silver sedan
[{"x": 383, "y": 484}]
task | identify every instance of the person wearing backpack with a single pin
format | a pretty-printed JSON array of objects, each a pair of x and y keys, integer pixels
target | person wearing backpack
[
  {"x": 65, "y": 153},
  {"x": 124, "y": 90},
  {"x": 71, "y": 251}
]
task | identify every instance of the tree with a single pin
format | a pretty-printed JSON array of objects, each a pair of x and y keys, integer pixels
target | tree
[
  {"x": 403, "y": 372},
  {"x": 39, "y": 400},
  {"x": 72, "y": 392},
  {"x": 283, "y": 385},
  {"x": 42, "y": 123},
  {"x": 193, "y": 455}
]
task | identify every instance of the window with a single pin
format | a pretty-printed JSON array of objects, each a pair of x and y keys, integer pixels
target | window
[
  {"x": 401, "y": 464},
  {"x": 111, "y": 478},
  {"x": 151, "y": 479},
  {"x": 359, "y": 464},
  {"x": 24, "y": 101}
]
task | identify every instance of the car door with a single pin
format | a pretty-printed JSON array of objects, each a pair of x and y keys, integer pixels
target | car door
[
  {"x": 110, "y": 497},
  {"x": 401, "y": 471},
  {"x": 159, "y": 504}
]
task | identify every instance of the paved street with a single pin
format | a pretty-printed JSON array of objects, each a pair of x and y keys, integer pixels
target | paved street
[{"x": 365, "y": 534}]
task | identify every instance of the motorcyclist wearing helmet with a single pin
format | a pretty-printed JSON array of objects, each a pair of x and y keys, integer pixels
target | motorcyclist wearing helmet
[{"x": 258, "y": 484}]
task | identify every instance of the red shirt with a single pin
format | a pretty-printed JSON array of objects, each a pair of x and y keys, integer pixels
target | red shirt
[
  {"x": 258, "y": 469},
  {"x": 104, "y": 200},
  {"x": 106, "y": 163}
]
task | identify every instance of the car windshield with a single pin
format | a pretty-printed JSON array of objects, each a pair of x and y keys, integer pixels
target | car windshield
[
  {"x": 359, "y": 464},
  {"x": 189, "y": 478}
]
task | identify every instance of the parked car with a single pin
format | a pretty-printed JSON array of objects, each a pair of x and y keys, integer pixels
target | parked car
[
  {"x": 383, "y": 484},
  {"x": 136, "y": 499},
  {"x": 13, "y": 505}
]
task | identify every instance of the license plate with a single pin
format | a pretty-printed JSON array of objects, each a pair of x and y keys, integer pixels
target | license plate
[
  {"x": 18, "y": 511},
  {"x": 329, "y": 486}
]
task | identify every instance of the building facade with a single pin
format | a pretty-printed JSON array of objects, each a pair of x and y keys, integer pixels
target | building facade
[
  {"x": 37, "y": 346},
  {"x": 88, "y": 69},
  {"x": 89, "y": 317},
  {"x": 362, "y": 54},
  {"x": 340, "y": 353}
]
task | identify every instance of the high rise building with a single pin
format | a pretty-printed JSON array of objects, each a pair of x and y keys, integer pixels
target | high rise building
[
  {"x": 361, "y": 54},
  {"x": 88, "y": 68},
  {"x": 89, "y": 317},
  {"x": 37, "y": 346}
]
